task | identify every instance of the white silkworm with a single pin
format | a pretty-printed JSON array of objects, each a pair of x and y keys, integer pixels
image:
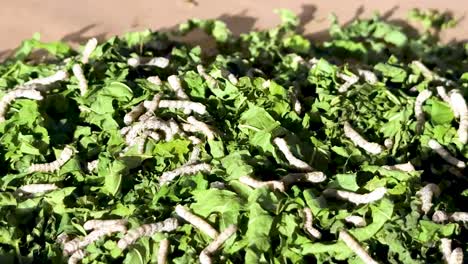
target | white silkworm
[
  {"x": 228, "y": 75},
  {"x": 218, "y": 185},
  {"x": 308, "y": 221},
  {"x": 294, "y": 97},
  {"x": 356, "y": 220},
  {"x": 440, "y": 216},
  {"x": 356, "y": 198},
  {"x": 169, "y": 176},
  {"x": 443, "y": 94},
  {"x": 150, "y": 106},
  {"x": 425, "y": 194},
  {"x": 79, "y": 243},
  {"x": 37, "y": 188},
  {"x": 97, "y": 223},
  {"x": 58, "y": 76},
  {"x": 176, "y": 85},
  {"x": 66, "y": 155},
  {"x": 163, "y": 251},
  {"x": 216, "y": 244},
  {"x": 275, "y": 185},
  {"x": 388, "y": 143},
  {"x": 196, "y": 221},
  {"x": 368, "y": 76},
  {"x": 444, "y": 154},
  {"x": 407, "y": 167},
  {"x": 88, "y": 49},
  {"x": 152, "y": 123},
  {"x": 77, "y": 256},
  {"x": 349, "y": 81},
  {"x": 154, "y": 80},
  {"x": 187, "y": 106},
  {"x": 456, "y": 257},
  {"x": 208, "y": 78},
  {"x": 446, "y": 249},
  {"x": 198, "y": 126},
  {"x": 168, "y": 225},
  {"x": 418, "y": 109},
  {"x": 313, "y": 177},
  {"x": 358, "y": 140},
  {"x": 159, "y": 62},
  {"x": 195, "y": 140},
  {"x": 458, "y": 105},
  {"x": 92, "y": 165},
  {"x": 356, "y": 247},
  {"x": 62, "y": 239},
  {"x": 8, "y": 98},
  {"x": 293, "y": 161},
  {"x": 79, "y": 75},
  {"x": 133, "y": 115},
  {"x": 194, "y": 156},
  {"x": 428, "y": 74},
  {"x": 459, "y": 217}
]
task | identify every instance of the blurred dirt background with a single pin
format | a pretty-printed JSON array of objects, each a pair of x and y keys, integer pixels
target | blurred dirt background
[{"x": 77, "y": 21}]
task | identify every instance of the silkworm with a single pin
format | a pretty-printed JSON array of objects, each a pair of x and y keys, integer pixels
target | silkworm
[
  {"x": 349, "y": 81},
  {"x": 388, "y": 143},
  {"x": 152, "y": 123},
  {"x": 168, "y": 225},
  {"x": 187, "y": 106},
  {"x": 228, "y": 75},
  {"x": 444, "y": 154},
  {"x": 66, "y": 155},
  {"x": 8, "y": 98},
  {"x": 456, "y": 257},
  {"x": 82, "y": 82},
  {"x": 216, "y": 244},
  {"x": 426, "y": 194},
  {"x": 198, "y": 126},
  {"x": 356, "y": 247},
  {"x": 194, "y": 156},
  {"x": 446, "y": 249},
  {"x": 458, "y": 105},
  {"x": 58, "y": 76},
  {"x": 293, "y": 161},
  {"x": 154, "y": 80},
  {"x": 443, "y": 94},
  {"x": 169, "y": 176},
  {"x": 358, "y": 140},
  {"x": 163, "y": 251},
  {"x": 37, "y": 188},
  {"x": 356, "y": 220},
  {"x": 133, "y": 115},
  {"x": 92, "y": 165},
  {"x": 208, "y": 78},
  {"x": 79, "y": 243},
  {"x": 218, "y": 185},
  {"x": 150, "y": 106},
  {"x": 356, "y": 198},
  {"x": 459, "y": 217},
  {"x": 62, "y": 239},
  {"x": 313, "y": 177},
  {"x": 195, "y": 140},
  {"x": 418, "y": 109},
  {"x": 77, "y": 256},
  {"x": 97, "y": 223},
  {"x": 406, "y": 167},
  {"x": 308, "y": 221},
  {"x": 275, "y": 185},
  {"x": 88, "y": 49},
  {"x": 428, "y": 74},
  {"x": 196, "y": 221},
  {"x": 440, "y": 216},
  {"x": 159, "y": 62},
  {"x": 368, "y": 76},
  {"x": 176, "y": 85}
]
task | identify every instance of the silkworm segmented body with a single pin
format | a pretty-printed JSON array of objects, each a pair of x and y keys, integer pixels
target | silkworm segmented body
[
  {"x": 407, "y": 167},
  {"x": 198, "y": 126},
  {"x": 443, "y": 94},
  {"x": 368, "y": 76},
  {"x": 205, "y": 256},
  {"x": 187, "y": 106},
  {"x": 8, "y": 98},
  {"x": 356, "y": 220},
  {"x": 418, "y": 109},
  {"x": 168, "y": 225},
  {"x": 37, "y": 188},
  {"x": 82, "y": 82},
  {"x": 208, "y": 78},
  {"x": 313, "y": 177},
  {"x": 163, "y": 251},
  {"x": 456, "y": 257},
  {"x": 97, "y": 223},
  {"x": 196, "y": 221},
  {"x": 77, "y": 256},
  {"x": 169, "y": 176},
  {"x": 88, "y": 49},
  {"x": 154, "y": 80},
  {"x": 426, "y": 194},
  {"x": 159, "y": 62},
  {"x": 444, "y": 154},
  {"x": 65, "y": 156},
  {"x": 349, "y": 81},
  {"x": 356, "y": 198},
  {"x": 133, "y": 115},
  {"x": 275, "y": 185},
  {"x": 358, "y": 140},
  {"x": 293, "y": 161},
  {"x": 58, "y": 76},
  {"x": 79, "y": 243},
  {"x": 356, "y": 247},
  {"x": 176, "y": 85},
  {"x": 308, "y": 221},
  {"x": 458, "y": 104}
]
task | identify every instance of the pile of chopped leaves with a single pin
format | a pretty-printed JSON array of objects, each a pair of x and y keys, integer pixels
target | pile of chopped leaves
[{"x": 272, "y": 148}]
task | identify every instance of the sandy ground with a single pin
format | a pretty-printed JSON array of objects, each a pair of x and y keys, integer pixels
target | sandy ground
[{"x": 76, "y": 21}]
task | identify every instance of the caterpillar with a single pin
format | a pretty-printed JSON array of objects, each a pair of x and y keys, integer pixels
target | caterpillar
[
  {"x": 82, "y": 82},
  {"x": 163, "y": 251},
  {"x": 356, "y": 247},
  {"x": 98, "y": 224},
  {"x": 356, "y": 220},
  {"x": 407, "y": 167},
  {"x": 65, "y": 156},
  {"x": 169, "y": 176},
  {"x": 196, "y": 221},
  {"x": 205, "y": 256},
  {"x": 313, "y": 177},
  {"x": 187, "y": 106},
  {"x": 293, "y": 161},
  {"x": 88, "y": 49},
  {"x": 13, "y": 95},
  {"x": 358, "y": 140},
  {"x": 444, "y": 154},
  {"x": 308, "y": 221},
  {"x": 418, "y": 109},
  {"x": 275, "y": 185},
  {"x": 176, "y": 85},
  {"x": 426, "y": 194},
  {"x": 356, "y": 198},
  {"x": 458, "y": 105},
  {"x": 168, "y": 225}
]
